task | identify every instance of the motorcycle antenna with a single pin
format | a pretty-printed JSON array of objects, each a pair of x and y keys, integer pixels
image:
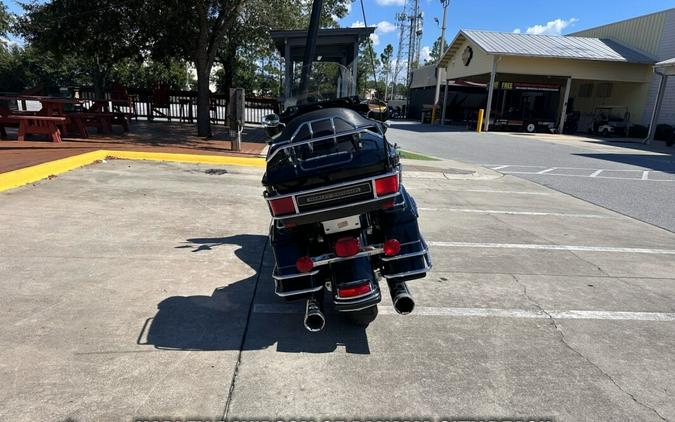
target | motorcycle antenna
[
  {"x": 310, "y": 47},
  {"x": 370, "y": 44}
]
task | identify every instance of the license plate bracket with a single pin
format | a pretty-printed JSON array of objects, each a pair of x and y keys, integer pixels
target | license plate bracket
[{"x": 341, "y": 224}]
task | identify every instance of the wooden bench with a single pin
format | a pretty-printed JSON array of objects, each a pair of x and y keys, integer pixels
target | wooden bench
[
  {"x": 32, "y": 125},
  {"x": 100, "y": 120}
]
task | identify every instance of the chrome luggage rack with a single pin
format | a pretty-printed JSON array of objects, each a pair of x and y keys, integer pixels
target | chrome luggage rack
[{"x": 293, "y": 142}]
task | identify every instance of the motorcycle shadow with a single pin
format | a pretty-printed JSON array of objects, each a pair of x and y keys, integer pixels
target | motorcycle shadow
[{"x": 229, "y": 320}]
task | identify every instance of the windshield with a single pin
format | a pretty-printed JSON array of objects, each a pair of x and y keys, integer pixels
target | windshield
[{"x": 327, "y": 81}]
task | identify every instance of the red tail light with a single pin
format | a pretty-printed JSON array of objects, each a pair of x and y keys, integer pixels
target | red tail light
[
  {"x": 386, "y": 185},
  {"x": 391, "y": 247},
  {"x": 282, "y": 206},
  {"x": 353, "y": 291},
  {"x": 304, "y": 264},
  {"x": 347, "y": 246}
]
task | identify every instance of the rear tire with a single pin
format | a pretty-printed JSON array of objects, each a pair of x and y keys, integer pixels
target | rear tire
[
  {"x": 530, "y": 128},
  {"x": 363, "y": 317}
]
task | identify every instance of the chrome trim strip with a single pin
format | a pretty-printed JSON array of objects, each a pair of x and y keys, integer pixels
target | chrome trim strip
[
  {"x": 404, "y": 256},
  {"x": 283, "y": 146},
  {"x": 335, "y": 186},
  {"x": 426, "y": 268},
  {"x": 295, "y": 292},
  {"x": 291, "y": 276},
  {"x": 330, "y": 258},
  {"x": 352, "y": 204}
]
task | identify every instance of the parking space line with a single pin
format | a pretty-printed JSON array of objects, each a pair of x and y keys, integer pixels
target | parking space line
[
  {"x": 595, "y": 173},
  {"x": 292, "y": 309},
  {"x": 500, "y": 167},
  {"x": 547, "y": 170},
  {"x": 531, "y": 246},
  {"x": 645, "y": 175},
  {"x": 507, "y": 212}
]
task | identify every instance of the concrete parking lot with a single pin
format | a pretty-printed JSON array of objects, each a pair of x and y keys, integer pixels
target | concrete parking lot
[{"x": 139, "y": 289}]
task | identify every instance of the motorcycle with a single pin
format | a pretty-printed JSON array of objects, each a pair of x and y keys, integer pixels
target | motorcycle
[{"x": 342, "y": 221}]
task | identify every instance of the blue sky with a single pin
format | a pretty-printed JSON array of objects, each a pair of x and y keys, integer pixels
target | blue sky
[{"x": 539, "y": 16}]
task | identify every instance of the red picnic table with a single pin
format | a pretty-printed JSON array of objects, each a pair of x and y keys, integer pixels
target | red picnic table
[
  {"x": 30, "y": 123},
  {"x": 79, "y": 118}
]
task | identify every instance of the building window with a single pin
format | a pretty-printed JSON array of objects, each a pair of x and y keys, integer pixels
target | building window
[
  {"x": 586, "y": 90},
  {"x": 604, "y": 90}
]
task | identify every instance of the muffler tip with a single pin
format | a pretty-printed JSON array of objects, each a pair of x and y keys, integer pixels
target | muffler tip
[
  {"x": 315, "y": 322},
  {"x": 404, "y": 304},
  {"x": 314, "y": 319},
  {"x": 401, "y": 297}
]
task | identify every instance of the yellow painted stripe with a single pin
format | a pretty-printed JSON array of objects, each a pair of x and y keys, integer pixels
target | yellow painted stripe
[
  {"x": 16, "y": 178},
  {"x": 188, "y": 158},
  {"x": 24, "y": 176}
]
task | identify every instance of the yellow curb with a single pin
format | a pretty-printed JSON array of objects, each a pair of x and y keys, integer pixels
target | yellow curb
[
  {"x": 14, "y": 179},
  {"x": 188, "y": 158},
  {"x": 24, "y": 176}
]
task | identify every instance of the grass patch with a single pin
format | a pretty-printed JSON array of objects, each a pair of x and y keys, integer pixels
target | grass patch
[{"x": 415, "y": 156}]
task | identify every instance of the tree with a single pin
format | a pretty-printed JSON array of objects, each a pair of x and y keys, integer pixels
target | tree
[
  {"x": 5, "y": 21},
  {"x": 386, "y": 59},
  {"x": 248, "y": 55},
  {"x": 368, "y": 67},
  {"x": 194, "y": 31},
  {"x": 436, "y": 52},
  {"x": 97, "y": 34}
]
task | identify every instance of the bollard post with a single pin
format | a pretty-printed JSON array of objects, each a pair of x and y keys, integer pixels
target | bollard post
[
  {"x": 481, "y": 116},
  {"x": 237, "y": 111}
]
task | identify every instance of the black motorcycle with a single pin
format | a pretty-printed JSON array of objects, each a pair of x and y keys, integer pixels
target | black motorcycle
[{"x": 341, "y": 219}]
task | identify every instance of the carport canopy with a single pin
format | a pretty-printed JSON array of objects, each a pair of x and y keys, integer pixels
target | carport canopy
[
  {"x": 479, "y": 55},
  {"x": 339, "y": 45}
]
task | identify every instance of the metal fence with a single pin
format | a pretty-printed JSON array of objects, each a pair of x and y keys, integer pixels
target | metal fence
[{"x": 176, "y": 105}]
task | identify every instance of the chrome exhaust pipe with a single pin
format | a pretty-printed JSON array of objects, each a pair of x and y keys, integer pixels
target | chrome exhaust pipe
[
  {"x": 315, "y": 321},
  {"x": 401, "y": 297}
]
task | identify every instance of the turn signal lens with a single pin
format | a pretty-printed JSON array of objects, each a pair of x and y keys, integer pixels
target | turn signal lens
[
  {"x": 347, "y": 246},
  {"x": 304, "y": 264},
  {"x": 386, "y": 185},
  {"x": 391, "y": 247},
  {"x": 282, "y": 206},
  {"x": 354, "y": 291}
]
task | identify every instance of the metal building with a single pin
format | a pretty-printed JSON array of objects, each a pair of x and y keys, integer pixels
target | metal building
[{"x": 608, "y": 65}]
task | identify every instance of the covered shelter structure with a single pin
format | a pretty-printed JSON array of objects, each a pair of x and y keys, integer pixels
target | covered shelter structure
[
  {"x": 339, "y": 45},
  {"x": 537, "y": 79}
]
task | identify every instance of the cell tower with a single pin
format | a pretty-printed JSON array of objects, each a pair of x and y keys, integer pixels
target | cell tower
[{"x": 410, "y": 23}]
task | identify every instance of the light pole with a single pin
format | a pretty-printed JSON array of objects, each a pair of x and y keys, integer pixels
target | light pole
[{"x": 440, "y": 73}]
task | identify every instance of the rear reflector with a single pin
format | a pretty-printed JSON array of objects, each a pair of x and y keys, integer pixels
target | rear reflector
[
  {"x": 304, "y": 264},
  {"x": 347, "y": 246},
  {"x": 391, "y": 247},
  {"x": 353, "y": 291},
  {"x": 282, "y": 206},
  {"x": 386, "y": 185}
]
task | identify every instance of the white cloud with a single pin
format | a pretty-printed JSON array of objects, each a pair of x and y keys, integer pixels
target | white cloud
[
  {"x": 554, "y": 27},
  {"x": 385, "y": 27},
  {"x": 390, "y": 2},
  {"x": 358, "y": 24},
  {"x": 516, "y": 31},
  {"x": 425, "y": 54},
  {"x": 375, "y": 38}
]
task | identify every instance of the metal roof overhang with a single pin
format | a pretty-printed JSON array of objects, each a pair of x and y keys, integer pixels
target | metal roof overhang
[
  {"x": 666, "y": 67},
  {"x": 623, "y": 54}
]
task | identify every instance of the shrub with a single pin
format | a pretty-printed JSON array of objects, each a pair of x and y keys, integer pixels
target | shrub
[
  {"x": 663, "y": 132},
  {"x": 638, "y": 131}
]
